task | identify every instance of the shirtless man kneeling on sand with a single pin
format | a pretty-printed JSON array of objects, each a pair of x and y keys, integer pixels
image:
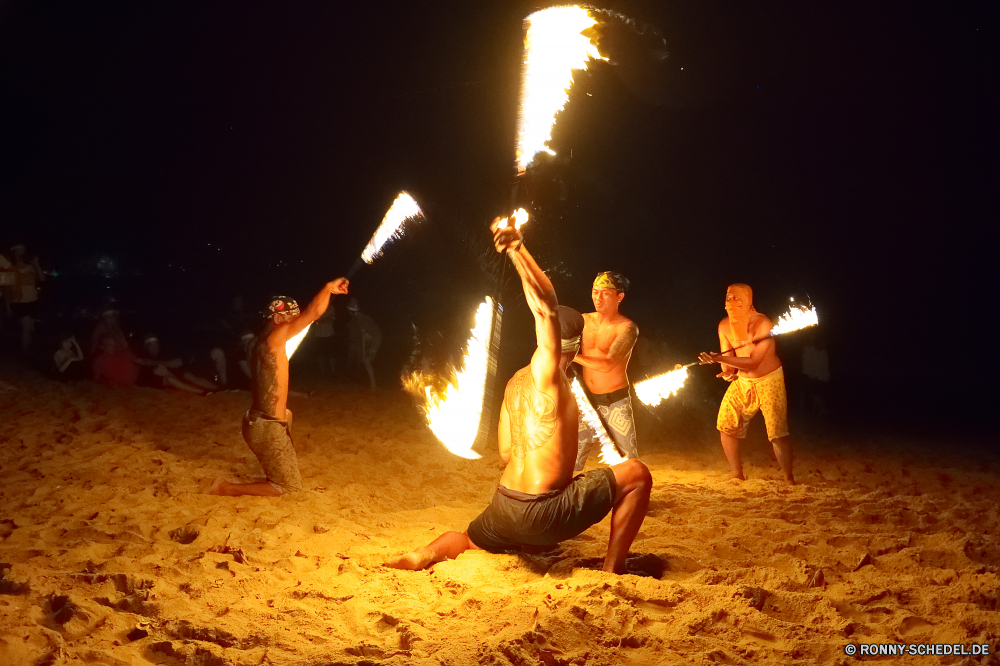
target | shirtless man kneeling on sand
[
  {"x": 749, "y": 361},
  {"x": 538, "y": 501},
  {"x": 267, "y": 427}
]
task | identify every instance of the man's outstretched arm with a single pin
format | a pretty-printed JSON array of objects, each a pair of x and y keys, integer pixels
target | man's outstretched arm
[
  {"x": 541, "y": 298},
  {"x": 317, "y": 306},
  {"x": 616, "y": 355}
]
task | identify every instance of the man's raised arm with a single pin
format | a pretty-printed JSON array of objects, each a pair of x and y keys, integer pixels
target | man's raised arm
[
  {"x": 317, "y": 306},
  {"x": 538, "y": 292}
]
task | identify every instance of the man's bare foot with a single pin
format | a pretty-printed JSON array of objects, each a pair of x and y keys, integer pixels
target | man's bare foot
[
  {"x": 733, "y": 476},
  {"x": 421, "y": 558},
  {"x": 217, "y": 486}
]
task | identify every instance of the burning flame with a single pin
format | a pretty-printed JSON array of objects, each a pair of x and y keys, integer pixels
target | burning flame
[
  {"x": 609, "y": 454},
  {"x": 402, "y": 209},
  {"x": 293, "y": 343},
  {"x": 656, "y": 389},
  {"x": 520, "y": 217},
  {"x": 554, "y": 47},
  {"x": 798, "y": 316},
  {"x": 454, "y": 416}
]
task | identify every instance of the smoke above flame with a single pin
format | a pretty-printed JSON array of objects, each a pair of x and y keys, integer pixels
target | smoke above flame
[
  {"x": 553, "y": 48},
  {"x": 402, "y": 209},
  {"x": 797, "y": 317},
  {"x": 608, "y": 454},
  {"x": 656, "y": 389},
  {"x": 453, "y": 413}
]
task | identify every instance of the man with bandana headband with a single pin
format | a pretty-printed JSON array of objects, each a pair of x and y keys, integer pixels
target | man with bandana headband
[
  {"x": 749, "y": 361},
  {"x": 267, "y": 426},
  {"x": 539, "y": 501},
  {"x": 608, "y": 339}
]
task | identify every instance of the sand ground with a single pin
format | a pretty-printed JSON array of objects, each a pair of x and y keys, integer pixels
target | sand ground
[{"x": 112, "y": 555}]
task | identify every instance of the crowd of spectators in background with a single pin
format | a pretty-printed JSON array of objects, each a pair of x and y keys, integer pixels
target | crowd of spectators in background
[{"x": 95, "y": 337}]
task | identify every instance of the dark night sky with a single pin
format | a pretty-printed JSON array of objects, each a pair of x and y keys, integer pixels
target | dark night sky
[{"x": 840, "y": 149}]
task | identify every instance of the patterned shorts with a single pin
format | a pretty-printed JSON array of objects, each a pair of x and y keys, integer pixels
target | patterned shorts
[
  {"x": 271, "y": 441},
  {"x": 746, "y": 396},
  {"x": 615, "y": 410}
]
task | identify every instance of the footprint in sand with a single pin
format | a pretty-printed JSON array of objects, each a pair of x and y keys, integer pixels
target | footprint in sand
[{"x": 185, "y": 535}]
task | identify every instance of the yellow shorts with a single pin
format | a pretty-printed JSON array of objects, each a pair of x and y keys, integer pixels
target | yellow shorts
[{"x": 746, "y": 397}]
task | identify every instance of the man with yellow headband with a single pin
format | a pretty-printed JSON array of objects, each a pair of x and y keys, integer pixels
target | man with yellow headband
[
  {"x": 749, "y": 361},
  {"x": 608, "y": 339},
  {"x": 267, "y": 426}
]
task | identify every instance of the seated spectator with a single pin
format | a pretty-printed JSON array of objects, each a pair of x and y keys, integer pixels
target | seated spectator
[
  {"x": 114, "y": 364},
  {"x": 109, "y": 324},
  {"x": 157, "y": 370},
  {"x": 67, "y": 361}
]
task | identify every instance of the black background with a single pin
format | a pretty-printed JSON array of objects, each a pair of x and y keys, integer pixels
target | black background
[{"x": 840, "y": 150}]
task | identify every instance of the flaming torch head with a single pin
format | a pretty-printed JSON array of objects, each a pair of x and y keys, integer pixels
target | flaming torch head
[
  {"x": 454, "y": 413},
  {"x": 797, "y": 317},
  {"x": 656, "y": 389},
  {"x": 554, "y": 46},
  {"x": 402, "y": 209},
  {"x": 609, "y": 454}
]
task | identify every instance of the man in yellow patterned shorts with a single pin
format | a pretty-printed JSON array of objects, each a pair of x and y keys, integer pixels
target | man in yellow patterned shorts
[{"x": 749, "y": 361}]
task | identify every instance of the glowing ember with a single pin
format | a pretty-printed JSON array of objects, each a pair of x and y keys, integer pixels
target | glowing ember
[
  {"x": 656, "y": 389},
  {"x": 554, "y": 47},
  {"x": 293, "y": 343},
  {"x": 454, "y": 416},
  {"x": 520, "y": 217},
  {"x": 609, "y": 454},
  {"x": 798, "y": 316},
  {"x": 402, "y": 209}
]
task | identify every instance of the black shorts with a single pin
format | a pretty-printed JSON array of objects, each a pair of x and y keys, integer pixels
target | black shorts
[
  {"x": 514, "y": 519},
  {"x": 22, "y": 310}
]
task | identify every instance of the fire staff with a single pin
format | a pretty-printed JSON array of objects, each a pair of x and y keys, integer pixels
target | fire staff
[{"x": 749, "y": 362}]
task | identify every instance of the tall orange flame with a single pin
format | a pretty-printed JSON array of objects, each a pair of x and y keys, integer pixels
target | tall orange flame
[
  {"x": 453, "y": 416},
  {"x": 553, "y": 48}
]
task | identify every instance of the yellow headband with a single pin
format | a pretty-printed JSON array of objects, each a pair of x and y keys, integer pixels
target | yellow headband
[{"x": 604, "y": 281}]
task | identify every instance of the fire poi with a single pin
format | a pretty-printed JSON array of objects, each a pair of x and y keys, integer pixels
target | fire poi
[
  {"x": 454, "y": 416},
  {"x": 554, "y": 47},
  {"x": 608, "y": 453},
  {"x": 402, "y": 209}
]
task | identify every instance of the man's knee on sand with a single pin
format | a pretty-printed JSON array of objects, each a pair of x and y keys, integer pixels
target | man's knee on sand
[{"x": 631, "y": 475}]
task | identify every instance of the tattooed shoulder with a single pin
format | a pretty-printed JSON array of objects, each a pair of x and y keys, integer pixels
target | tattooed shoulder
[{"x": 625, "y": 340}]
